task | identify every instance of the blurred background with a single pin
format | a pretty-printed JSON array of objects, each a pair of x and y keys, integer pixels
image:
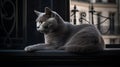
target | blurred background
[{"x": 104, "y": 14}]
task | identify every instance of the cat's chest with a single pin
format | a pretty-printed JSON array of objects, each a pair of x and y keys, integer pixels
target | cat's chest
[{"x": 54, "y": 38}]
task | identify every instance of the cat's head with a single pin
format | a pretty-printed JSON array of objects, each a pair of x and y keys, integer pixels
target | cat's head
[{"x": 46, "y": 21}]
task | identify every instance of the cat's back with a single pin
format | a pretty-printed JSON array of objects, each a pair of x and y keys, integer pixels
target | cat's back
[{"x": 72, "y": 29}]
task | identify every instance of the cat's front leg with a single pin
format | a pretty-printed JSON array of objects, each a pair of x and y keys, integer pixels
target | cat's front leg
[
  {"x": 40, "y": 46},
  {"x": 35, "y": 47}
]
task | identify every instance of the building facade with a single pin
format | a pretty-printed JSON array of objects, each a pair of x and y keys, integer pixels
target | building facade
[{"x": 104, "y": 14}]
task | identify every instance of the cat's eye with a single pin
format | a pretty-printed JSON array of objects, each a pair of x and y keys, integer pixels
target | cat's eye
[{"x": 41, "y": 21}]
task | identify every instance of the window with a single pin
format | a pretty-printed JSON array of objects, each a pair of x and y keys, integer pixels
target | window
[
  {"x": 99, "y": 20},
  {"x": 112, "y": 22},
  {"x": 98, "y": 1},
  {"x": 112, "y": 1},
  {"x": 105, "y": 1},
  {"x": 112, "y": 41}
]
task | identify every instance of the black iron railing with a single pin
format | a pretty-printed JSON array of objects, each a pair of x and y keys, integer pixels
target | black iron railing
[{"x": 104, "y": 29}]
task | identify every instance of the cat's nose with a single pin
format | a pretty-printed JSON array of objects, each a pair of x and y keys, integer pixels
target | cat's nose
[{"x": 37, "y": 24}]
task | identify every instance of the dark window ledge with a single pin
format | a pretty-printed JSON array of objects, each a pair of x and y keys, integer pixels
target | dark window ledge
[
  {"x": 59, "y": 57},
  {"x": 112, "y": 45}
]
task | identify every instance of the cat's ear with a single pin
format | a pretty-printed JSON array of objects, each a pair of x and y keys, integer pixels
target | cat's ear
[
  {"x": 48, "y": 10},
  {"x": 37, "y": 12}
]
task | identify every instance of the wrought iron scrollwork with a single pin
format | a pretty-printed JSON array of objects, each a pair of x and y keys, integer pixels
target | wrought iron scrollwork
[
  {"x": 8, "y": 21},
  {"x": 102, "y": 29},
  {"x": 82, "y": 17}
]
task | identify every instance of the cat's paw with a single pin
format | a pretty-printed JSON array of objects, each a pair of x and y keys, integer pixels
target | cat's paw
[{"x": 28, "y": 48}]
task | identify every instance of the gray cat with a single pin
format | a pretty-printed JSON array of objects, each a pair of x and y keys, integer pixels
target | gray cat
[{"x": 61, "y": 35}]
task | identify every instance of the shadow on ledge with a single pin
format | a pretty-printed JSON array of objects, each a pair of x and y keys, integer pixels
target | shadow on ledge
[{"x": 60, "y": 58}]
